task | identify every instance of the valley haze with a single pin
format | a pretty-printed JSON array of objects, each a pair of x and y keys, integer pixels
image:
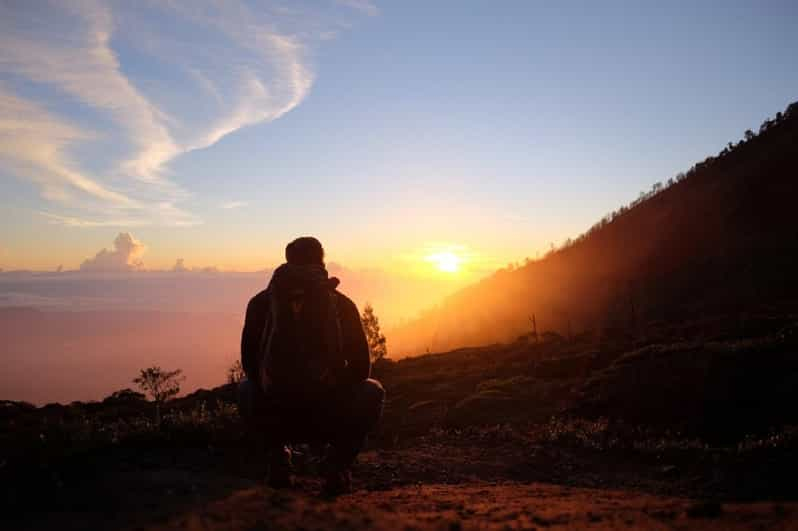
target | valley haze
[{"x": 85, "y": 334}]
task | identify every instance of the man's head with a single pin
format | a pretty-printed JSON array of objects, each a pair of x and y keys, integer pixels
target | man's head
[{"x": 306, "y": 250}]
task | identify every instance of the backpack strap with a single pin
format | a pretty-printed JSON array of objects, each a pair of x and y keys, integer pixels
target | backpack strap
[
  {"x": 265, "y": 343},
  {"x": 337, "y": 339}
]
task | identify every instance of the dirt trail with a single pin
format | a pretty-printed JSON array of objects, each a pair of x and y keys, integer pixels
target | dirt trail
[
  {"x": 442, "y": 483},
  {"x": 476, "y": 506}
]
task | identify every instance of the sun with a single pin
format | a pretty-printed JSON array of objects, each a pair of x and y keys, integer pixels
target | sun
[{"x": 446, "y": 261}]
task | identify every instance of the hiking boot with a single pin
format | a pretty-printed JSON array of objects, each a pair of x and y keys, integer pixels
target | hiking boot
[
  {"x": 280, "y": 469},
  {"x": 337, "y": 482}
]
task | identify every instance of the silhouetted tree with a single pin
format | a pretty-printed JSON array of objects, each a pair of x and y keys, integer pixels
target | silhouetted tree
[
  {"x": 534, "y": 321},
  {"x": 377, "y": 342},
  {"x": 749, "y": 135},
  {"x": 161, "y": 385},
  {"x": 235, "y": 373}
]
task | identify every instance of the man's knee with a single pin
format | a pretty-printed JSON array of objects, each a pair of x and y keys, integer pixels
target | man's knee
[
  {"x": 372, "y": 399},
  {"x": 373, "y": 391}
]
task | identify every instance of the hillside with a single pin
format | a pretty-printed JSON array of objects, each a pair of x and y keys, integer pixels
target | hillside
[
  {"x": 720, "y": 242},
  {"x": 558, "y": 434}
]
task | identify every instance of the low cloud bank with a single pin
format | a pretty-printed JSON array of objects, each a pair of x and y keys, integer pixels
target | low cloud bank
[
  {"x": 125, "y": 256},
  {"x": 116, "y": 280}
]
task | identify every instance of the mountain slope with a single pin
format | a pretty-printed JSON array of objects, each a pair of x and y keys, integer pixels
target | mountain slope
[{"x": 719, "y": 240}]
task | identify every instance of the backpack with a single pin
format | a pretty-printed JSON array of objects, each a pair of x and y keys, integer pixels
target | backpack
[{"x": 301, "y": 348}]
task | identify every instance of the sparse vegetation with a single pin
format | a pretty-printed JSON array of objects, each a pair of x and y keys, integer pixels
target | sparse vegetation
[
  {"x": 508, "y": 412},
  {"x": 378, "y": 345},
  {"x": 235, "y": 373},
  {"x": 161, "y": 385}
]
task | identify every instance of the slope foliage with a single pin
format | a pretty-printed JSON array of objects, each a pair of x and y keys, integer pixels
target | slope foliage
[{"x": 715, "y": 241}]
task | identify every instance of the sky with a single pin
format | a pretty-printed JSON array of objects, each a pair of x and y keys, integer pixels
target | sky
[{"x": 215, "y": 132}]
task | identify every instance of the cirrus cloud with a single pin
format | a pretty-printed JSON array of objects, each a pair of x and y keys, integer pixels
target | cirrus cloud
[{"x": 98, "y": 98}]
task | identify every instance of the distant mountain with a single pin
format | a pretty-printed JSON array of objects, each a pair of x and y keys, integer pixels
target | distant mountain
[{"x": 718, "y": 240}]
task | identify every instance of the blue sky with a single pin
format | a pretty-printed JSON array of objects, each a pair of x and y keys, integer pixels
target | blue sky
[{"x": 388, "y": 129}]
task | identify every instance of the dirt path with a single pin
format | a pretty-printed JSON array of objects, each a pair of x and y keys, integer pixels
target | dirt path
[
  {"x": 456, "y": 483},
  {"x": 476, "y": 506}
]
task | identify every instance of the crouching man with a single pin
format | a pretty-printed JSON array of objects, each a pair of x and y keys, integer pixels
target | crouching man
[{"x": 307, "y": 366}]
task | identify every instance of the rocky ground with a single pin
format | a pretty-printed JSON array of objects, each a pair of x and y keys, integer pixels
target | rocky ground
[
  {"x": 683, "y": 434},
  {"x": 477, "y": 505},
  {"x": 490, "y": 479}
]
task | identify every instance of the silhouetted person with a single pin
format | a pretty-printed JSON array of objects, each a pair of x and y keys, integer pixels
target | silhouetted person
[{"x": 307, "y": 364}]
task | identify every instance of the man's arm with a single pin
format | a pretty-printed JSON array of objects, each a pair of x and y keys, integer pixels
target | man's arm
[
  {"x": 356, "y": 347},
  {"x": 254, "y": 322}
]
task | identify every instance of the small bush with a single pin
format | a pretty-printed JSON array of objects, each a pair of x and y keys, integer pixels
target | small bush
[
  {"x": 783, "y": 439},
  {"x": 602, "y": 434}
]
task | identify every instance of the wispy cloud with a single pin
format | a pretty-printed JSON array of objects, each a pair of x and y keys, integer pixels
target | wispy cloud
[
  {"x": 229, "y": 205},
  {"x": 76, "y": 52},
  {"x": 82, "y": 64},
  {"x": 365, "y": 6},
  {"x": 34, "y": 143}
]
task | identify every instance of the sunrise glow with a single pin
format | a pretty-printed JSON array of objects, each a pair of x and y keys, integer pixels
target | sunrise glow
[{"x": 445, "y": 261}]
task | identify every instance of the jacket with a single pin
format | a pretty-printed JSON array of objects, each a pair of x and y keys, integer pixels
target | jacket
[{"x": 355, "y": 351}]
